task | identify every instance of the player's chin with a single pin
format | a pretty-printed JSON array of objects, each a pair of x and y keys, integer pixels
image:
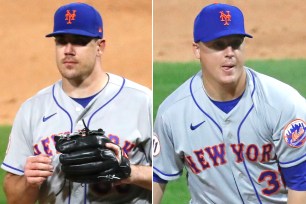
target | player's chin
[
  {"x": 70, "y": 74},
  {"x": 228, "y": 80}
]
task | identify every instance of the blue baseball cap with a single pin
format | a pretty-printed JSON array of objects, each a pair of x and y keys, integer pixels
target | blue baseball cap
[
  {"x": 218, "y": 20},
  {"x": 77, "y": 19}
]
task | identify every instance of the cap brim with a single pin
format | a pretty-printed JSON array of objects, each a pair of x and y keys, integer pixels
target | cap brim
[
  {"x": 73, "y": 32},
  {"x": 224, "y": 34}
]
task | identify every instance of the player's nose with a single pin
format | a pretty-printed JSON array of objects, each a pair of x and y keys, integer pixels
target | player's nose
[
  {"x": 229, "y": 51},
  {"x": 69, "y": 49}
]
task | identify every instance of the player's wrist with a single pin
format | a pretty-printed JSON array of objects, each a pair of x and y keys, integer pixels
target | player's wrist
[
  {"x": 140, "y": 176},
  {"x": 33, "y": 184}
]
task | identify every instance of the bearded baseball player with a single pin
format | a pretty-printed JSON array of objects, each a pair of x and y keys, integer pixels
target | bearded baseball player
[
  {"x": 239, "y": 134},
  {"x": 87, "y": 137}
]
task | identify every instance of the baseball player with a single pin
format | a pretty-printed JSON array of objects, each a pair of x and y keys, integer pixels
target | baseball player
[
  {"x": 86, "y": 92},
  {"x": 239, "y": 134}
]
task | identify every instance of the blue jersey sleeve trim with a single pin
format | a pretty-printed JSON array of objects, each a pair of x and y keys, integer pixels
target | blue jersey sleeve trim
[
  {"x": 295, "y": 177},
  {"x": 4, "y": 164},
  {"x": 157, "y": 179},
  {"x": 293, "y": 160},
  {"x": 179, "y": 173}
]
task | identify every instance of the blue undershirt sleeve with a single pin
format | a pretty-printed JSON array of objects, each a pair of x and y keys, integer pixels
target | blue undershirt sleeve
[
  {"x": 157, "y": 179},
  {"x": 295, "y": 177}
]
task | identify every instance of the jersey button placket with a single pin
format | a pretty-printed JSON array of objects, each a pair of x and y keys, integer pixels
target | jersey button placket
[
  {"x": 227, "y": 130},
  {"x": 252, "y": 199},
  {"x": 227, "y": 121},
  {"x": 78, "y": 191},
  {"x": 79, "y": 125},
  {"x": 240, "y": 175}
]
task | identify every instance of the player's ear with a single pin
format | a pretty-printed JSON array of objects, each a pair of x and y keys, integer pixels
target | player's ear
[
  {"x": 100, "y": 46},
  {"x": 196, "y": 50}
]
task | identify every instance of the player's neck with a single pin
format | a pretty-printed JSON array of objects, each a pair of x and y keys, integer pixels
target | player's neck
[
  {"x": 85, "y": 87},
  {"x": 224, "y": 92}
]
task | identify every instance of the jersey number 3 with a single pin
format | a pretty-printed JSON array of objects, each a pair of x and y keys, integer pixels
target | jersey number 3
[{"x": 271, "y": 177}]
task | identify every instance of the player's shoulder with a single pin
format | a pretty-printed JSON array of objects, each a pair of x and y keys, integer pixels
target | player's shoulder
[
  {"x": 274, "y": 90},
  {"x": 42, "y": 95},
  {"x": 179, "y": 96},
  {"x": 129, "y": 85}
]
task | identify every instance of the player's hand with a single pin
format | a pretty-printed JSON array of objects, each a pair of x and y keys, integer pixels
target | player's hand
[
  {"x": 118, "y": 154},
  {"x": 116, "y": 149},
  {"x": 129, "y": 180},
  {"x": 38, "y": 169},
  {"x": 140, "y": 175}
]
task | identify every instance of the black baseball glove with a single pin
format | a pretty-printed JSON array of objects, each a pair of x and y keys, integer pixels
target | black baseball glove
[{"x": 85, "y": 159}]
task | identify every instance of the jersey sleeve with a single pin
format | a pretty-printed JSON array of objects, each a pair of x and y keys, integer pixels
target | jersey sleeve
[
  {"x": 290, "y": 135},
  {"x": 19, "y": 146},
  {"x": 167, "y": 163},
  {"x": 148, "y": 132}
]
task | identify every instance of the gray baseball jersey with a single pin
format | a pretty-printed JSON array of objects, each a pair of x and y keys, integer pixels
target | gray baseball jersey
[
  {"x": 122, "y": 109},
  {"x": 234, "y": 157}
]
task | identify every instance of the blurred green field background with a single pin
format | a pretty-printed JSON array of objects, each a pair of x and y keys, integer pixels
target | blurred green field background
[
  {"x": 4, "y": 135},
  {"x": 168, "y": 76}
]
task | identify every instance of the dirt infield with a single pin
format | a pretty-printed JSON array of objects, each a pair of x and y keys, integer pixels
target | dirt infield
[
  {"x": 27, "y": 58},
  {"x": 278, "y": 28}
]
